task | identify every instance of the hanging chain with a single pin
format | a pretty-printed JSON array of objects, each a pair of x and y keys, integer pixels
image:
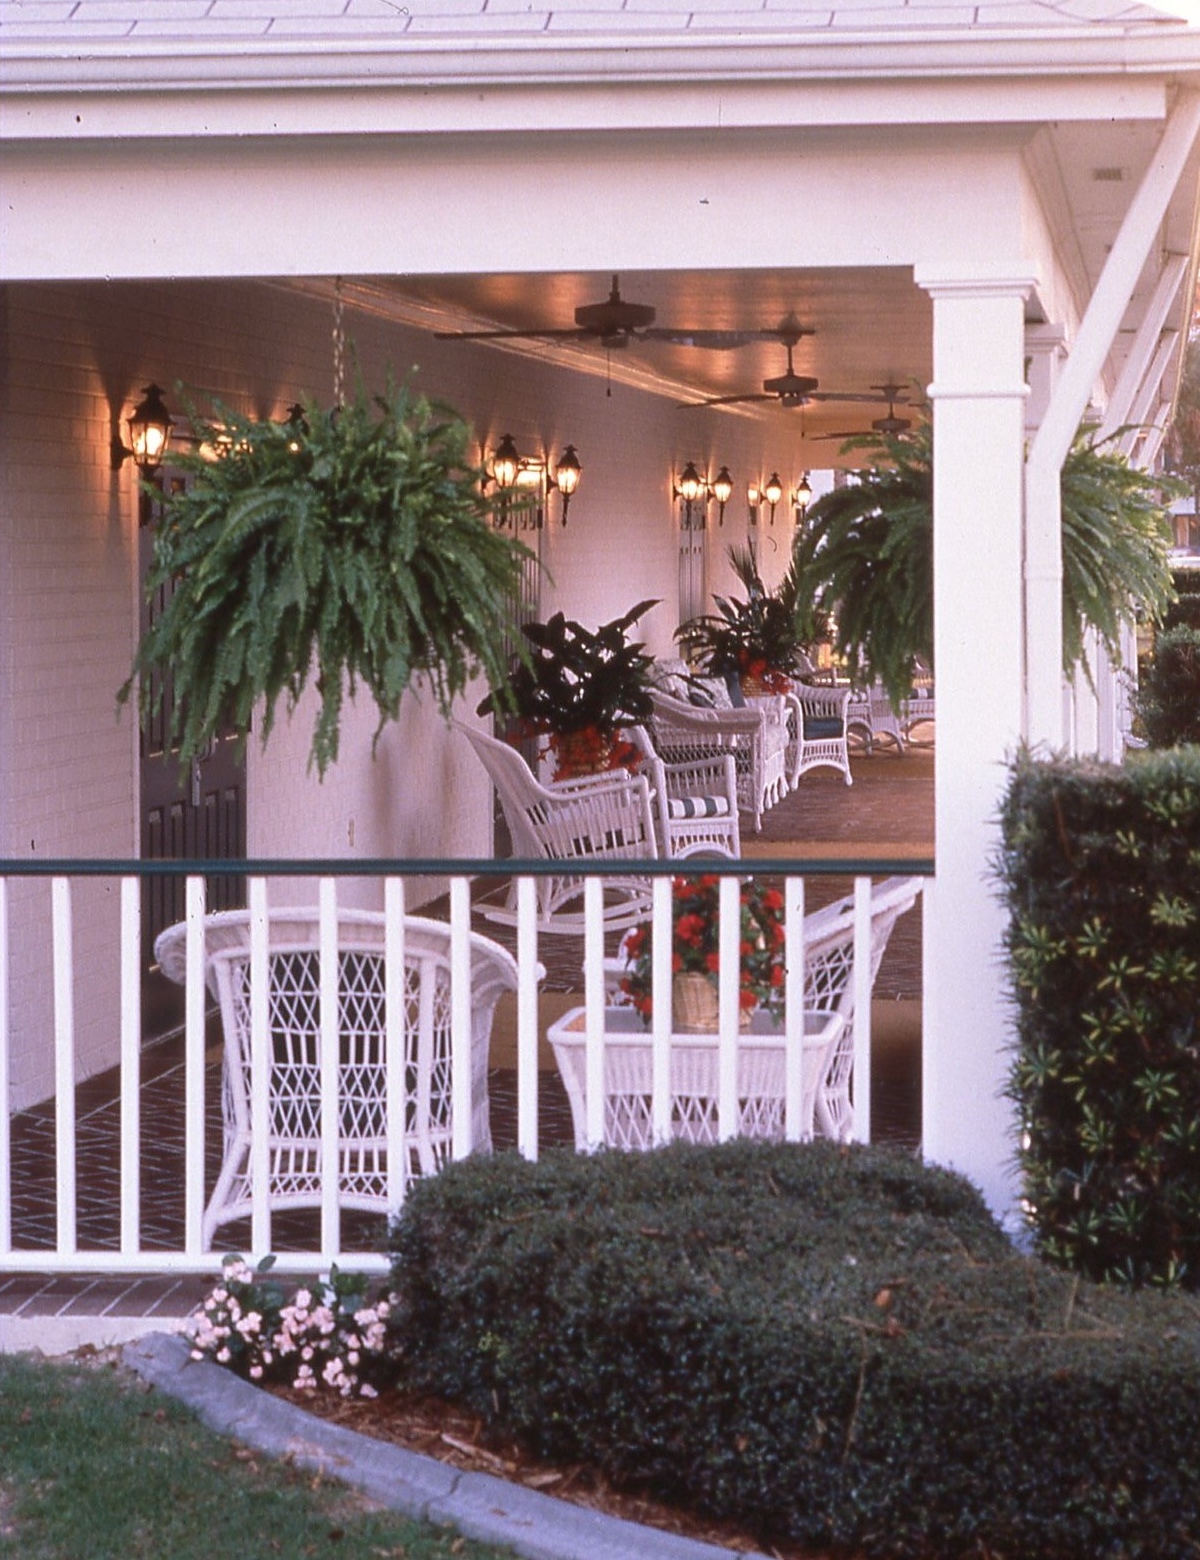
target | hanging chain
[{"x": 339, "y": 347}]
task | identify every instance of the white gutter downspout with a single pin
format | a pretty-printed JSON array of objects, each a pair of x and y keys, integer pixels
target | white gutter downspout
[{"x": 1043, "y": 470}]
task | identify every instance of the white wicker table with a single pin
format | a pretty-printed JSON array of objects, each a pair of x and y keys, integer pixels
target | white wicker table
[{"x": 694, "y": 1073}]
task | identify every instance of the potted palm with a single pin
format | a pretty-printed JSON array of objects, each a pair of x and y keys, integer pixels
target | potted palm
[
  {"x": 576, "y": 687},
  {"x": 758, "y": 643}
]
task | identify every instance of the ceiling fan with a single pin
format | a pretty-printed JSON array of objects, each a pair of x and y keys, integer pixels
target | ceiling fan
[
  {"x": 615, "y": 323},
  {"x": 891, "y": 425},
  {"x": 788, "y": 389}
]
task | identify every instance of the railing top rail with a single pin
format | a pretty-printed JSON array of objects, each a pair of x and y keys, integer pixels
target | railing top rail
[{"x": 468, "y": 866}]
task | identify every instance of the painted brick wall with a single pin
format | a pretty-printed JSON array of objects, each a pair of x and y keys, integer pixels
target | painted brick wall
[{"x": 75, "y": 359}]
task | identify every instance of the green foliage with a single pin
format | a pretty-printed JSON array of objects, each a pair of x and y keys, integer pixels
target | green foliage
[
  {"x": 1184, "y": 611},
  {"x": 353, "y": 547},
  {"x": 578, "y": 679},
  {"x": 766, "y": 632},
  {"x": 832, "y": 1345},
  {"x": 1168, "y": 696},
  {"x": 1099, "y": 868},
  {"x": 1116, "y": 540},
  {"x": 94, "y": 1468},
  {"x": 1183, "y": 436},
  {"x": 866, "y": 554}
]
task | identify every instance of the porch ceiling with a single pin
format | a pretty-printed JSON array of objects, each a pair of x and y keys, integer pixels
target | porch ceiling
[{"x": 871, "y": 325}]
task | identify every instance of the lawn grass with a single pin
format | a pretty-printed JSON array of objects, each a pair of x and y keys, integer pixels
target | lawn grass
[{"x": 95, "y": 1465}]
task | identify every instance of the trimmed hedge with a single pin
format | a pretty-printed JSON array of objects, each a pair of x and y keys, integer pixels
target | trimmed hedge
[
  {"x": 1168, "y": 696},
  {"x": 1100, "y": 869},
  {"x": 830, "y": 1344}
]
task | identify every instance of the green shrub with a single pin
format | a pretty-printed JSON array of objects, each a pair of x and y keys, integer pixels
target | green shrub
[
  {"x": 833, "y": 1345},
  {"x": 1168, "y": 701},
  {"x": 1099, "y": 868}
]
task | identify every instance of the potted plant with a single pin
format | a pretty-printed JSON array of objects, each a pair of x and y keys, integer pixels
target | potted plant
[
  {"x": 577, "y": 687},
  {"x": 758, "y": 642},
  {"x": 351, "y": 545},
  {"x": 866, "y": 554},
  {"x": 695, "y": 955}
]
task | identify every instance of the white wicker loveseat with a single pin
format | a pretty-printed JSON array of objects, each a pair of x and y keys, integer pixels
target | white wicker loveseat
[{"x": 756, "y": 738}]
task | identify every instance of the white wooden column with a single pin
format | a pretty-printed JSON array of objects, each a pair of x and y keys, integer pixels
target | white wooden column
[{"x": 978, "y": 397}]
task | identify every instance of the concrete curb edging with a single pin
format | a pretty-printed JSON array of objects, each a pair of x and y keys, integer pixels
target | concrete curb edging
[{"x": 535, "y": 1526}]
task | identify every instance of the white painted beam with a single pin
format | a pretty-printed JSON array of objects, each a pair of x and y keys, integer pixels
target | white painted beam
[
  {"x": 1043, "y": 497},
  {"x": 1141, "y": 352}
]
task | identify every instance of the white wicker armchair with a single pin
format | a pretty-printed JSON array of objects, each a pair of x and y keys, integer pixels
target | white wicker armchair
[
  {"x": 695, "y": 803},
  {"x": 603, "y": 817},
  {"x": 871, "y": 714},
  {"x": 294, "y": 1154},
  {"x": 756, "y": 739},
  {"x": 829, "y": 983}
]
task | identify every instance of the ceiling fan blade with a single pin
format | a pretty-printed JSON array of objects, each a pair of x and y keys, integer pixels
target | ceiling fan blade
[
  {"x": 712, "y": 340},
  {"x": 847, "y": 395}
]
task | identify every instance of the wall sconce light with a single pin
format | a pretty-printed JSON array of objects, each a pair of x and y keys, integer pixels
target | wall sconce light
[
  {"x": 722, "y": 491},
  {"x": 693, "y": 489},
  {"x": 297, "y": 424},
  {"x": 802, "y": 498},
  {"x": 566, "y": 477},
  {"x": 773, "y": 492},
  {"x": 506, "y": 462},
  {"x": 149, "y": 426},
  {"x": 753, "y": 500}
]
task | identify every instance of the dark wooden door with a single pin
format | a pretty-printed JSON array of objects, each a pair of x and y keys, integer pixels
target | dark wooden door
[{"x": 196, "y": 811}]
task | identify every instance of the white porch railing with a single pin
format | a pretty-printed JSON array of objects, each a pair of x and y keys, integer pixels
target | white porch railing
[{"x": 129, "y": 1252}]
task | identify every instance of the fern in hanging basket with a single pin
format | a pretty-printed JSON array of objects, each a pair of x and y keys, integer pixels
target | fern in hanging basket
[{"x": 353, "y": 547}]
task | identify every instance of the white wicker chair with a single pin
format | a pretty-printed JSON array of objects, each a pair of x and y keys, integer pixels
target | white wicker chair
[
  {"x": 870, "y": 713},
  {"x": 595, "y": 818},
  {"x": 829, "y": 983},
  {"x": 294, "y": 1143},
  {"x": 822, "y": 728},
  {"x": 683, "y": 733},
  {"x": 695, "y": 803}
]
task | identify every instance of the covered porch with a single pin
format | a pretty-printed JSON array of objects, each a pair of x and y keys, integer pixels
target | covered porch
[{"x": 1014, "y": 237}]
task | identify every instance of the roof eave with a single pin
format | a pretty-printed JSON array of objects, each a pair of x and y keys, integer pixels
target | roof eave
[{"x": 152, "y": 66}]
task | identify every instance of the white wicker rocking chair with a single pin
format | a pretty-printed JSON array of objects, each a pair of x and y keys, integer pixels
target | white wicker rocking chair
[
  {"x": 294, "y": 1144},
  {"x": 604, "y": 817}
]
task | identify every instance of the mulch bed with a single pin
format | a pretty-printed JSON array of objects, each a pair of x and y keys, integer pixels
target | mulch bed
[{"x": 438, "y": 1429}]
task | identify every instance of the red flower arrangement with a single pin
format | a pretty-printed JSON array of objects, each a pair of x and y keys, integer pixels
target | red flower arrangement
[
  {"x": 694, "y": 943},
  {"x": 754, "y": 672}
]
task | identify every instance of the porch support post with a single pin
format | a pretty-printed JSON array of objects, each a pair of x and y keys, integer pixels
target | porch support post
[
  {"x": 978, "y": 397},
  {"x": 1109, "y": 301}
]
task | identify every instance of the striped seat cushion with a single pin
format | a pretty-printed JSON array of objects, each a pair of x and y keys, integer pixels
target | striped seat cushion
[{"x": 698, "y": 807}]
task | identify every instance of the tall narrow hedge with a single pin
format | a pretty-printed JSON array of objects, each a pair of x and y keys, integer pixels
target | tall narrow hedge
[{"x": 1100, "y": 868}]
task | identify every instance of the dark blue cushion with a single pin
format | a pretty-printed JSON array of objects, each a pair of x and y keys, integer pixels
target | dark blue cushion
[
  {"x": 816, "y": 727},
  {"x": 736, "y": 697}
]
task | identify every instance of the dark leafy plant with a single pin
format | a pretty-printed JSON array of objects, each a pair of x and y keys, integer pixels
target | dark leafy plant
[
  {"x": 763, "y": 635},
  {"x": 578, "y": 679},
  {"x": 352, "y": 547},
  {"x": 1168, "y": 696},
  {"x": 866, "y": 554},
  {"x": 1099, "y": 869}
]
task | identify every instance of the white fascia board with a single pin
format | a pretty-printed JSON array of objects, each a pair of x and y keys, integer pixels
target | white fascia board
[
  {"x": 158, "y": 65},
  {"x": 82, "y": 113}
]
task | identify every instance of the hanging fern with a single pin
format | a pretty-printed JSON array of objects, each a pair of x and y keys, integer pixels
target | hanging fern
[
  {"x": 353, "y": 547},
  {"x": 866, "y": 554}
]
